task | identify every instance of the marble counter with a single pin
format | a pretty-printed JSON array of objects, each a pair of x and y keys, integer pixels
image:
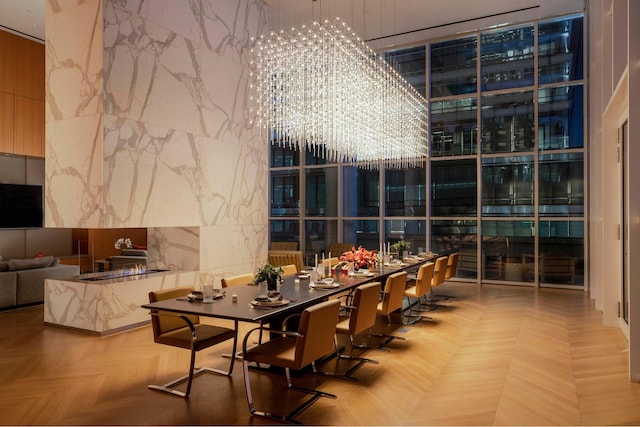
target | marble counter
[{"x": 106, "y": 306}]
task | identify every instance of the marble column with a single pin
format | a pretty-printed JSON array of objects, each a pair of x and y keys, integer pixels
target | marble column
[{"x": 148, "y": 125}]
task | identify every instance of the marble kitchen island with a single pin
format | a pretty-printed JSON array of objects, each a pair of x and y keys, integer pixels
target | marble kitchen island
[{"x": 103, "y": 304}]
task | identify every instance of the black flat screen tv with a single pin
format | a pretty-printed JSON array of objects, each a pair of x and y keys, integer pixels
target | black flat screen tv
[{"x": 20, "y": 206}]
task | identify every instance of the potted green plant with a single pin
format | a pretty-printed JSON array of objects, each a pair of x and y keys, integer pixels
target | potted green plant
[
  {"x": 270, "y": 274},
  {"x": 400, "y": 246}
]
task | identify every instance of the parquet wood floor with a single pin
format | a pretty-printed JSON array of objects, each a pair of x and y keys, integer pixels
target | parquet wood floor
[{"x": 496, "y": 355}]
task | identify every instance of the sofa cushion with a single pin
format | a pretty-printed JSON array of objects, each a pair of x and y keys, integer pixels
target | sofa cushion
[
  {"x": 26, "y": 264},
  {"x": 4, "y": 265},
  {"x": 8, "y": 291}
]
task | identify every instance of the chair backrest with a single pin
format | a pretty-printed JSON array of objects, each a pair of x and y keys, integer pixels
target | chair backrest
[
  {"x": 423, "y": 281},
  {"x": 317, "y": 332},
  {"x": 331, "y": 262},
  {"x": 439, "y": 272},
  {"x": 452, "y": 266},
  {"x": 365, "y": 303},
  {"x": 280, "y": 258},
  {"x": 340, "y": 248},
  {"x": 394, "y": 292},
  {"x": 290, "y": 269},
  {"x": 242, "y": 279},
  {"x": 284, "y": 246},
  {"x": 163, "y": 324}
]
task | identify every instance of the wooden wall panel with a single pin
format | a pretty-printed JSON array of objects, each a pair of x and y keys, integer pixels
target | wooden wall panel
[
  {"x": 8, "y": 62},
  {"x": 102, "y": 241},
  {"x": 29, "y": 69},
  {"x": 28, "y": 126},
  {"x": 6, "y": 122}
]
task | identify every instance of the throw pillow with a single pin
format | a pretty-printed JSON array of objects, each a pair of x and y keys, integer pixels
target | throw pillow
[
  {"x": 54, "y": 262},
  {"x": 25, "y": 264}
]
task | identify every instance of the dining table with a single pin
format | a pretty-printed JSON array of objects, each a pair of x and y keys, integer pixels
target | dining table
[{"x": 235, "y": 303}]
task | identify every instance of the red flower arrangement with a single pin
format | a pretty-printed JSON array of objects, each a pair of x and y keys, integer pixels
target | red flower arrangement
[{"x": 360, "y": 257}]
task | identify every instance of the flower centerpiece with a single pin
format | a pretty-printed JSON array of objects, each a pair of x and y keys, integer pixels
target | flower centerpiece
[
  {"x": 360, "y": 257},
  {"x": 123, "y": 241},
  {"x": 270, "y": 274},
  {"x": 400, "y": 246}
]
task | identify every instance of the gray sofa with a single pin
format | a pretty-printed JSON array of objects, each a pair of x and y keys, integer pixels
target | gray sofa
[{"x": 22, "y": 280}]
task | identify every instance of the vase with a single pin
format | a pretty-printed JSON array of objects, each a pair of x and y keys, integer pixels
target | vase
[{"x": 272, "y": 282}]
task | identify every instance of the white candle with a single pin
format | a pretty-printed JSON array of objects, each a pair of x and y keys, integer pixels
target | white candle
[{"x": 316, "y": 264}]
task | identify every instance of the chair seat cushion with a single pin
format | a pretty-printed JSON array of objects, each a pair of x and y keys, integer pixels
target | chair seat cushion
[
  {"x": 343, "y": 326},
  {"x": 207, "y": 335},
  {"x": 277, "y": 351}
]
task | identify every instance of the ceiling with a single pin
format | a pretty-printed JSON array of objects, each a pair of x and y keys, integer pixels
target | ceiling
[{"x": 369, "y": 18}]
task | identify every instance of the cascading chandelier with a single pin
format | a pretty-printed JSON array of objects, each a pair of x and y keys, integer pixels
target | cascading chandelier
[{"x": 321, "y": 88}]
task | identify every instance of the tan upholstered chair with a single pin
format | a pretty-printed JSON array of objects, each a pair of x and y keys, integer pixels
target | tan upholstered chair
[
  {"x": 288, "y": 270},
  {"x": 452, "y": 266},
  {"x": 340, "y": 248},
  {"x": 392, "y": 298},
  {"x": 284, "y": 246},
  {"x": 419, "y": 288},
  {"x": 186, "y": 331},
  {"x": 242, "y": 279},
  {"x": 362, "y": 317},
  {"x": 439, "y": 274},
  {"x": 280, "y": 258},
  {"x": 314, "y": 339}
]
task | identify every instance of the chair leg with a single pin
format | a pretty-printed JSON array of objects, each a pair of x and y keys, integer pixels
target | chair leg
[
  {"x": 316, "y": 394},
  {"x": 388, "y": 337},
  {"x": 360, "y": 361},
  {"x": 193, "y": 372},
  {"x": 414, "y": 316}
]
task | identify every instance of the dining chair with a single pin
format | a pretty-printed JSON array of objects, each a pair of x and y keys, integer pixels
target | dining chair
[
  {"x": 438, "y": 279},
  {"x": 284, "y": 246},
  {"x": 392, "y": 298},
  {"x": 361, "y": 317},
  {"x": 288, "y": 270},
  {"x": 280, "y": 258},
  {"x": 452, "y": 269},
  {"x": 186, "y": 331},
  {"x": 418, "y": 288},
  {"x": 242, "y": 279},
  {"x": 314, "y": 339}
]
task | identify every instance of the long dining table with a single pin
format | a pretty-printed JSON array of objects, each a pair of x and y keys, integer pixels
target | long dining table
[{"x": 235, "y": 304}]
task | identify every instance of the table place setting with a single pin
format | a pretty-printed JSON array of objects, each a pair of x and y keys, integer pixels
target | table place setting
[
  {"x": 273, "y": 299},
  {"x": 328, "y": 283}
]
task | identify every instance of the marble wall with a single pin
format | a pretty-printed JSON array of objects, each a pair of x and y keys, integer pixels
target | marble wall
[{"x": 148, "y": 125}]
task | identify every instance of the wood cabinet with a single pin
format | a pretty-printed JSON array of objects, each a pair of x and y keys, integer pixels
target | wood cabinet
[
  {"x": 7, "y": 62},
  {"x": 22, "y": 82},
  {"x": 28, "y": 126},
  {"x": 99, "y": 243},
  {"x": 6, "y": 122},
  {"x": 29, "y": 63}
]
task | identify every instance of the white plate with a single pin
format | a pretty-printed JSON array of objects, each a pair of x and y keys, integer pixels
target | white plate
[
  {"x": 199, "y": 296},
  {"x": 303, "y": 276},
  {"x": 323, "y": 285},
  {"x": 270, "y": 303},
  {"x": 359, "y": 274}
]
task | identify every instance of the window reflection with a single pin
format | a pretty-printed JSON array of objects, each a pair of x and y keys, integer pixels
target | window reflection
[
  {"x": 561, "y": 259},
  {"x": 321, "y": 185},
  {"x": 454, "y": 188},
  {"x": 508, "y": 123},
  {"x": 283, "y": 157},
  {"x": 560, "y": 51},
  {"x": 410, "y": 64},
  {"x": 454, "y": 127},
  {"x": 561, "y": 184},
  {"x": 365, "y": 233},
  {"x": 412, "y": 231},
  {"x": 360, "y": 192},
  {"x": 285, "y": 193},
  {"x": 406, "y": 192},
  {"x": 507, "y": 59},
  {"x": 453, "y": 67},
  {"x": 285, "y": 230},
  {"x": 507, "y": 186},
  {"x": 560, "y": 117},
  {"x": 505, "y": 245},
  {"x": 319, "y": 236},
  {"x": 459, "y": 236}
]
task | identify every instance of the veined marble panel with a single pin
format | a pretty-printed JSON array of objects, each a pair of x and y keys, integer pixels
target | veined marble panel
[
  {"x": 174, "y": 248},
  {"x": 153, "y": 176},
  {"x": 151, "y": 73},
  {"x": 74, "y": 61},
  {"x": 106, "y": 306},
  {"x": 236, "y": 191},
  {"x": 233, "y": 249},
  {"x": 229, "y": 30},
  {"x": 73, "y": 169}
]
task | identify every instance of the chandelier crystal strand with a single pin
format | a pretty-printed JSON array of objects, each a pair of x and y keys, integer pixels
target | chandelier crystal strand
[{"x": 321, "y": 88}]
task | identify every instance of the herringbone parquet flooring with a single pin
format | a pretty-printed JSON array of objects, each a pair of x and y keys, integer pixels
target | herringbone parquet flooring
[{"x": 496, "y": 355}]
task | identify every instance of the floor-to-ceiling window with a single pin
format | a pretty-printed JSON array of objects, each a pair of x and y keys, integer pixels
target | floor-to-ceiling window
[{"x": 504, "y": 182}]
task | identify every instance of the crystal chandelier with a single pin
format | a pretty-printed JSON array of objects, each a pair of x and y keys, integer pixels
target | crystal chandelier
[{"x": 321, "y": 88}]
